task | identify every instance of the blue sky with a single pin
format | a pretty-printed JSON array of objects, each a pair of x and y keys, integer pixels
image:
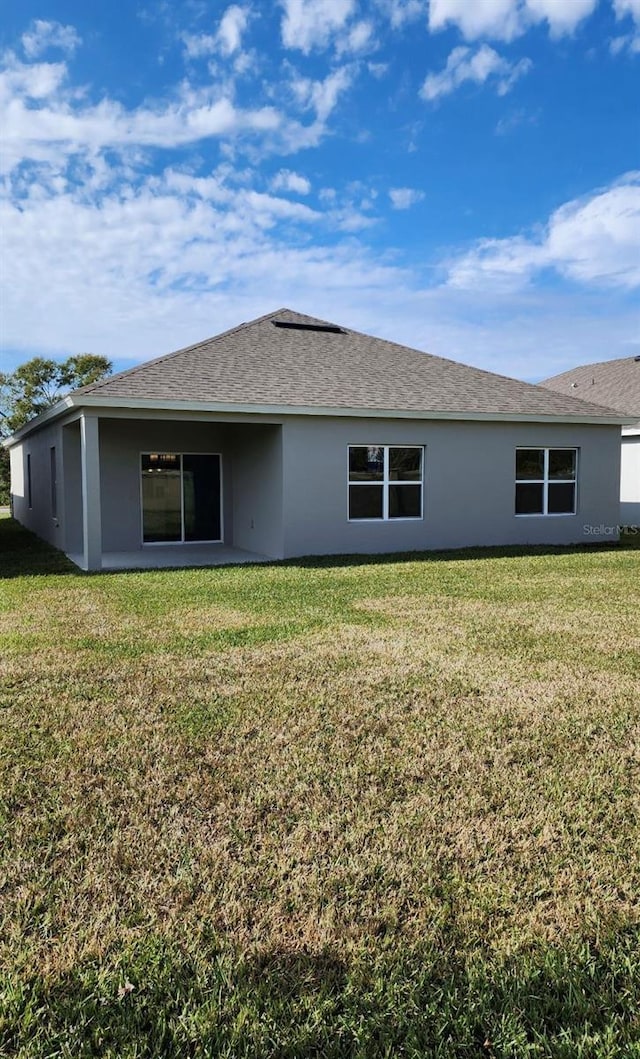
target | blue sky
[{"x": 459, "y": 175}]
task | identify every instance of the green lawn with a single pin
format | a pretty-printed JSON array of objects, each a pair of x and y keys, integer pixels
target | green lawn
[{"x": 334, "y": 809}]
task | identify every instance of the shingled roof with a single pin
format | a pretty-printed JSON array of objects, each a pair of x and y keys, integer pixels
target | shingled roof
[
  {"x": 287, "y": 360},
  {"x": 612, "y": 383}
]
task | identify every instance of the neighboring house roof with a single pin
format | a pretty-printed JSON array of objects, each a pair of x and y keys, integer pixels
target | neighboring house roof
[
  {"x": 292, "y": 361},
  {"x": 612, "y": 383}
]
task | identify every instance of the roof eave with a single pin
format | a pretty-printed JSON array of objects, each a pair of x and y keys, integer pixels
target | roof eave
[
  {"x": 56, "y": 410},
  {"x": 150, "y": 403}
]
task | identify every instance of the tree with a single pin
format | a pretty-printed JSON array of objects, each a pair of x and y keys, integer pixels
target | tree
[{"x": 37, "y": 385}]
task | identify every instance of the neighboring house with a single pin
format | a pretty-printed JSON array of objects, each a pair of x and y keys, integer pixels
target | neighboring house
[
  {"x": 288, "y": 436},
  {"x": 614, "y": 384}
]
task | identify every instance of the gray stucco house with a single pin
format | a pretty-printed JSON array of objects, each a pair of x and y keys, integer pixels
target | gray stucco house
[
  {"x": 289, "y": 436},
  {"x": 614, "y": 384}
]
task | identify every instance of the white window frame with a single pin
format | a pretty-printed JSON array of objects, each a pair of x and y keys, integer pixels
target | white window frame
[
  {"x": 385, "y": 482},
  {"x": 546, "y": 481},
  {"x": 182, "y": 542}
]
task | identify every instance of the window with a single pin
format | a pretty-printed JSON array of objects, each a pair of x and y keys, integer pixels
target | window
[
  {"x": 546, "y": 481},
  {"x": 181, "y": 497},
  {"x": 54, "y": 482},
  {"x": 385, "y": 482},
  {"x": 29, "y": 495}
]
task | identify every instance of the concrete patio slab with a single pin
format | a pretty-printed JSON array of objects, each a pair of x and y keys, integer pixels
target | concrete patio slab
[{"x": 166, "y": 556}]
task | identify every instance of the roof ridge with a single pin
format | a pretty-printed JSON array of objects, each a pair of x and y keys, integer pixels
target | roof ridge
[{"x": 587, "y": 367}]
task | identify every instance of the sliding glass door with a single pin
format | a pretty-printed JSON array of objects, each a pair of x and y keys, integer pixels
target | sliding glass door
[
  {"x": 161, "y": 498},
  {"x": 201, "y": 497},
  {"x": 180, "y": 498}
]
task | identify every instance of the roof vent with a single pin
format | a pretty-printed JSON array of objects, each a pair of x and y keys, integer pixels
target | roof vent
[
  {"x": 574, "y": 386},
  {"x": 328, "y": 328}
]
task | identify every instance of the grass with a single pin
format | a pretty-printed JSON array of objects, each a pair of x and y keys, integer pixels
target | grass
[{"x": 382, "y": 808}]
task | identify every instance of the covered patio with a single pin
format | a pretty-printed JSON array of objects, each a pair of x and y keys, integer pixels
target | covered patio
[
  {"x": 169, "y": 556},
  {"x": 148, "y": 491}
]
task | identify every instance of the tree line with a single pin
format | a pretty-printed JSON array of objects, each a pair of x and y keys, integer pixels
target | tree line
[{"x": 35, "y": 386}]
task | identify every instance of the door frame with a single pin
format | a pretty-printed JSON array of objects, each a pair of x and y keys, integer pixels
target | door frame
[{"x": 182, "y": 541}]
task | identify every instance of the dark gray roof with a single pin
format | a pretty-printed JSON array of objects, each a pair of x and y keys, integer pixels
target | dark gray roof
[
  {"x": 261, "y": 363},
  {"x": 613, "y": 383}
]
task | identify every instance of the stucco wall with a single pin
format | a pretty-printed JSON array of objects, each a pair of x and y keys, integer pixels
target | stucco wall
[
  {"x": 285, "y": 487},
  {"x": 469, "y": 485},
  {"x": 72, "y": 488},
  {"x": 39, "y": 517},
  {"x": 256, "y": 460},
  {"x": 630, "y": 481}
]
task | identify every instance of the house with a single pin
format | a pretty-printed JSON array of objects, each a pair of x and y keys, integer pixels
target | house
[
  {"x": 614, "y": 384},
  {"x": 290, "y": 436}
]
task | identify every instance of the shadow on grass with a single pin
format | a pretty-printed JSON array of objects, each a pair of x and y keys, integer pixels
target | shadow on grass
[
  {"x": 23, "y": 554},
  {"x": 506, "y": 551},
  {"x": 160, "y": 1000}
]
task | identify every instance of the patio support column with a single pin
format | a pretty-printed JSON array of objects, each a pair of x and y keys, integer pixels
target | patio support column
[{"x": 91, "y": 514}]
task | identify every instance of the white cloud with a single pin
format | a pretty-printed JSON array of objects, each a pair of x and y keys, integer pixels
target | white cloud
[
  {"x": 501, "y": 19},
  {"x": 43, "y": 118},
  {"x": 378, "y": 70},
  {"x": 108, "y": 258},
  {"x": 508, "y": 19},
  {"x": 227, "y": 39},
  {"x": 628, "y": 41},
  {"x": 232, "y": 26},
  {"x": 627, "y": 7},
  {"x": 197, "y": 45},
  {"x": 463, "y": 64},
  {"x": 313, "y": 24},
  {"x": 404, "y": 198},
  {"x": 33, "y": 81},
  {"x": 136, "y": 274},
  {"x": 168, "y": 258},
  {"x": 162, "y": 262},
  {"x": 213, "y": 187},
  {"x": 164, "y": 243},
  {"x": 359, "y": 38},
  {"x": 562, "y": 15},
  {"x": 597, "y": 239},
  {"x": 267, "y": 209},
  {"x": 43, "y": 35},
  {"x": 322, "y": 96},
  {"x": 325, "y": 94},
  {"x": 286, "y": 180},
  {"x": 508, "y": 122},
  {"x": 593, "y": 240},
  {"x": 36, "y": 132},
  {"x": 402, "y": 12}
]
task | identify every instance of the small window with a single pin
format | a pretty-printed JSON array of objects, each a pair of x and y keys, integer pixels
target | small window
[
  {"x": 29, "y": 495},
  {"x": 54, "y": 482},
  {"x": 546, "y": 481},
  {"x": 385, "y": 482}
]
